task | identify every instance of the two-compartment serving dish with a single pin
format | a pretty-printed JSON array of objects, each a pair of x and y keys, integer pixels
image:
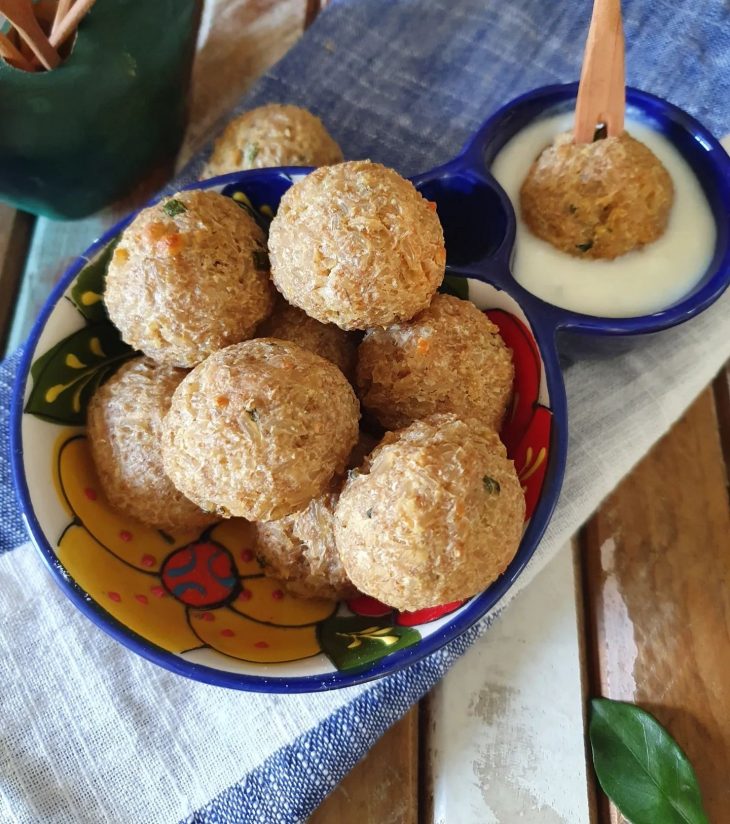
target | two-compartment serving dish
[{"x": 114, "y": 570}]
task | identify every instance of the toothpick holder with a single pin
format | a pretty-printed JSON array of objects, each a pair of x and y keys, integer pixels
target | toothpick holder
[{"x": 77, "y": 138}]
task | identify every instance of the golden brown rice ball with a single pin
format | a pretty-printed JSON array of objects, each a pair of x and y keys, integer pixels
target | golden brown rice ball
[
  {"x": 300, "y": 551},
  {"x": 259, "y": 429},
  {"x": 597, "y": 200},
  {"x": 190, "y": 275},
  {"x": 435, "y": 517},
  {"x": 273, "y": 135},
  {"x": 124, "y": 425},
  {"x": 356, "y": 245},
  {"x": 449, "y": 358},
  {"x": 324, "y": 339}
]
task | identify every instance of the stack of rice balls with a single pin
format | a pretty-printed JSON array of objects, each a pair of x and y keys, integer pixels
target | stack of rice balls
[{"x": 258, "y": 355}]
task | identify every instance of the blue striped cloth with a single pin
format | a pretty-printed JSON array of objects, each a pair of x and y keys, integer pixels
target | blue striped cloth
[{"x": 405, "y": 84}]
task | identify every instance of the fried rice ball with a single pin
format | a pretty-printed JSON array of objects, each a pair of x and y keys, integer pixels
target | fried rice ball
[
  {"x": 299, "y": 550},
  {"x": 124, "y": 424},
  {"x": 449, "y": 358},
  {"x": 435, "y": 516},
  {"x": 273, "y": 135},
  {"x": 357, "y": 245},
  {"x": 324, "y": 339},
  {"x": 597, "y": 200},
  {"x": 258, "y": 429},
  {"x": 189, "y": 276}
]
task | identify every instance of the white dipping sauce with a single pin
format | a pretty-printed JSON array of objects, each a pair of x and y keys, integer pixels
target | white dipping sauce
[{"x": 637, "y": 283}]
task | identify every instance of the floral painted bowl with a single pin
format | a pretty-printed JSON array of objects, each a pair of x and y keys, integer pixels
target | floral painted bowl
[{"x": 198, "y": 603}]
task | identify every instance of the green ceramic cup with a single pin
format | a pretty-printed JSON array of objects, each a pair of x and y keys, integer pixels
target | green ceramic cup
[{"x": 74, "y": 139}]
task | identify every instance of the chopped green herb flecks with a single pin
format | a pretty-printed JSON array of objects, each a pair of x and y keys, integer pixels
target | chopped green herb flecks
[
  {"x": 251, "y": 153},
  {"x": 584, "y": 247},
  {"x": 253, "y": 414},
  {"x": 261, "y": 260},
  {"x": 369, "y": 513},
  {"x": 491, "y": 486},
  {"x": 173, "y": 207}
]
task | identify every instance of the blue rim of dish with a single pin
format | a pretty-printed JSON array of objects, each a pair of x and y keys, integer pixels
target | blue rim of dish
[
  {"x": 471, "y": 612},
  {"x": 702, "y": 151}
]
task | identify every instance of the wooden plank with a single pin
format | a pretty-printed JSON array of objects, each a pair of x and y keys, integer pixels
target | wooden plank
[
  {"x": 721, "y": 388},
  {"x": 657, "y": 578},
  {"x": 383, "y": 787},
  {"x": 15, "y": 232},
  {"x": 505, "y": 710}
]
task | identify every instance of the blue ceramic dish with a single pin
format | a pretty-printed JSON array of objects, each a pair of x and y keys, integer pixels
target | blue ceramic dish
[{"x": 479, "y": 224}]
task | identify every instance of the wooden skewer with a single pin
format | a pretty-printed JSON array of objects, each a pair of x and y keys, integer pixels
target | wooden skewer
[
  {"x": 20, "y": 14},
  {"x": 69, "y": 23},
  {"x": 20, "y": 44},
  {"x": 602, "y": 89},
  {"x": 12, "y": 55},
  {"x": 45, "y": 11},
  {"x": 61, "y": 11}
]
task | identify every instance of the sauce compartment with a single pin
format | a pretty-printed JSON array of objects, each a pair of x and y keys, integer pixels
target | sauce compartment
[{"x": 696, "y": 145}]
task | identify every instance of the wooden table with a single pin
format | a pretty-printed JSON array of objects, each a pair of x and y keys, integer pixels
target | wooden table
[{"x": 637, "y": 608}]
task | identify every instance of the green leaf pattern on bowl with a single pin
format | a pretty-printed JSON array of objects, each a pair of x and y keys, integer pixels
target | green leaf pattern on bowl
[
  {"x": 355, "y": 641},
  {"x": 66, "y": 376}
]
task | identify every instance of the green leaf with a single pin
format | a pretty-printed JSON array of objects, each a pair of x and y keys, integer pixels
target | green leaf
[
  {"x": 251, "y": 153},
  {"x": 458, "y": 287},
  {"x": 641, "y": 767},
  {"x": 87, "y": 291},
  {"x": 173, "y": 207},
  {"x": 65, "y": 377},
  {"x": 353, "y": 642},
  {"x": 491, "y": 485}
]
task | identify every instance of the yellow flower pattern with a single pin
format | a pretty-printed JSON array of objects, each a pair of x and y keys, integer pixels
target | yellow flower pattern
[{"x": 181, "y": 591}]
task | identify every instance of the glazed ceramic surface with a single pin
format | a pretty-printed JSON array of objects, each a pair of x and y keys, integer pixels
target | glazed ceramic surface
[{"x": 198, "y": 602}]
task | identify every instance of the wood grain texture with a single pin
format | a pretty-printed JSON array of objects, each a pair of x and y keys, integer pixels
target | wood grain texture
[
  {"x": 15, "y": 232},
  {"x": 508, "y": 705},
  {"x": 721, "y": 388},
  {"x": 657, "y": 568},
  {"x": 383, "y": 787}
]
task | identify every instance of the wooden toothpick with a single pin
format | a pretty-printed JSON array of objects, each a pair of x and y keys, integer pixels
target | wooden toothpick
[
  {"x": 70, "y": 22},
  {"x": 12, "y": 55},
  {"x": 602, "y": 89},
  {"x": 61, "y": 11},
  {"x": 20, "y": 13}
]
